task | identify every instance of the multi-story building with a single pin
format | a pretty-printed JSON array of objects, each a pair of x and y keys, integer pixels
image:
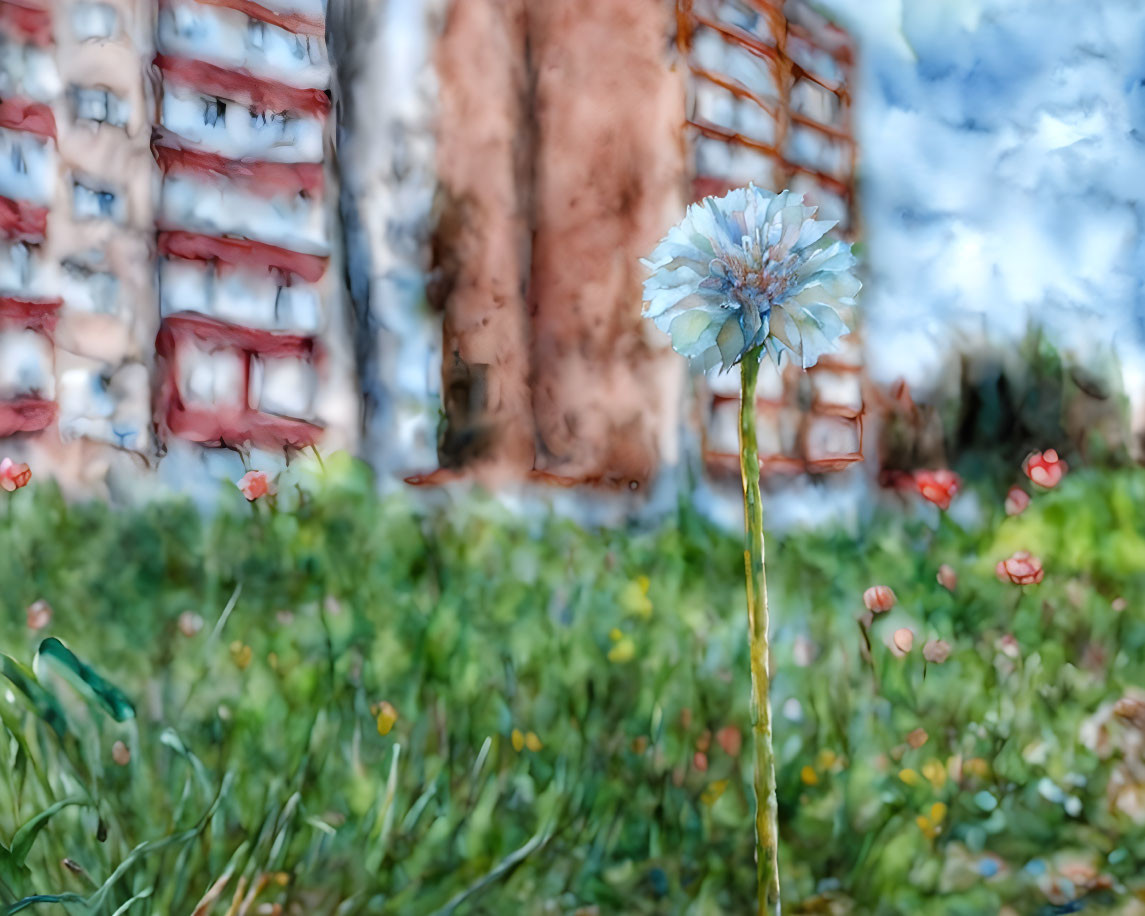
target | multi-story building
[
  {"x": 173, "y": 274},
  {"x": 254, "y": 346},
  {"x": 76, "y": 278}
]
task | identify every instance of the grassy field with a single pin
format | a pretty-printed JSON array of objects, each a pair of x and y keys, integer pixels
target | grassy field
[{"x": 346, "y": 707}]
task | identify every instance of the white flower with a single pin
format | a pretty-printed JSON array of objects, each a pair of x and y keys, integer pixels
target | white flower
[{"x": 747, "y": 269}]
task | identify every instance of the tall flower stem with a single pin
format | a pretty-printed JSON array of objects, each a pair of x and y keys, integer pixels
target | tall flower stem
[{"x": 766, "y": 807}]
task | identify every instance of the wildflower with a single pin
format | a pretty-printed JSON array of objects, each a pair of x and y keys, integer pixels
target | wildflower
[
  {"x": 14, "y": 475},
  {"x": 517, "y": 737},
  {"x": 917, "y": 738},
  {"x": 938, "y": 487},
  {"x": 1016, "y": 501},
  {"x": 255, "y": 484},
  {"x": 909, "y": 777},
  {"x": 532, "y": 742},
  {"x": 1021, "y": 569},
  {"x": 903, "y": 640},
  {"x": 39, "y": 614},
  {"x": 931, "y": 822},
  {"x": 386, "y": 715},
  {"x": 712, "y": 793},
  {"x": 1008, "y": 645},
  {"x": 1045, "y": 469},
  {"x": 936, "y": 651},
  {"x": 623, "y": 651},
  {"x": 808, "y": 776},
  {"x": 746, "y": 270},
  {"x": 879, "y": 598},
  {"x": 190, "y": 623},
  {"x": 935, "y": 773},
  {"x": 976, "y": 766},
  {"x": 120, "y": 753},
  {"x": 241, "y": 655},
  {"x": 1119, "y": 605},
  {"x": 634, "y": 598},
  {"x": 947, "y": 577},
  {"x": 826, "y": 759},
  {"x": 700, "y": 761}
]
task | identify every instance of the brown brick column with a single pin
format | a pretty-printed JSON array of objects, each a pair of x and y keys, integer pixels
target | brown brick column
[
  {"x": 481, "y": 245},
  {"x": 610, "y": 179}
]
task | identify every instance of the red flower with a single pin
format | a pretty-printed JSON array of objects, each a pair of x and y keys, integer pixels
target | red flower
[
  {"x": 1021, "y": 569},
  {"x": 1016, "y": 501},
  {"x": 939, "y": 487},
  {"x": 1045, "y": 469},
  {"x": 947, "y": 577},
  {"x": 14, "y": 475},
  {"x": 879, "y": 598},
  {"x": 255, "y": 484}
]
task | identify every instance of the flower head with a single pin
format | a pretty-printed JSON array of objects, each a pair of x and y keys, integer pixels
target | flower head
[
  {"x": 1016, "y": 501},
  {"x": 748, "y": 269},
  {"x": 1021, "y": 569},
  {"x": 879, "y": 598},
  {"x": 947, "y": 577},
  {"x": 903, "y": 640},
  {"x": 39, "y": 614},
  {"x": 938, "y": 487},
  {"x": 14, "y": 475},
  {"x": 1045, "y": 469},
  {"x": 255, "y": 484},
  {"x": 936, "y": 651}
]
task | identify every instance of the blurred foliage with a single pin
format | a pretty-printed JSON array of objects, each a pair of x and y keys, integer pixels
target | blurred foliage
[
  {"x": 465, "y": 711},
  {"x": 1004, "y": 400}
]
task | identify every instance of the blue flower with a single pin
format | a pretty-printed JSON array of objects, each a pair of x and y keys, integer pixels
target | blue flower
[{"x": 749, "y": 269}]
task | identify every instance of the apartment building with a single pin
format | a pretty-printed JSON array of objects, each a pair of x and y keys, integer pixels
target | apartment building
[{"x": 254, "y": 346}]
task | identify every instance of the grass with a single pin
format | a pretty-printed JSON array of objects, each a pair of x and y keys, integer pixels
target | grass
[{"x": 570, "y": 709}]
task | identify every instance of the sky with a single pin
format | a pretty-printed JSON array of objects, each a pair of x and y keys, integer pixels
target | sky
[{"x": 1002, "y": 173}]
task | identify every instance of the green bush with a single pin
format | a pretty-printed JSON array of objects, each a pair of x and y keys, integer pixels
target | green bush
[{"x": 568, "y": 707}]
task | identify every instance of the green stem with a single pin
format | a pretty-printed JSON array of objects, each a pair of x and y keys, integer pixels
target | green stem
[{"x": 766, "y": 807}]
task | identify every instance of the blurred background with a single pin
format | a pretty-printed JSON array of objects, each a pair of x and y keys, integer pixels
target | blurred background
[{"x": 364, "y": 550}]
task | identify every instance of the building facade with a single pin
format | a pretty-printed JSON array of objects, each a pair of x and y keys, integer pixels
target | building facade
[{"x": 198, "y": 263}]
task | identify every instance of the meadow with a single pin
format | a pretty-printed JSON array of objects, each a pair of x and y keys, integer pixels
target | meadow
[{"x": 331, "y": 702}]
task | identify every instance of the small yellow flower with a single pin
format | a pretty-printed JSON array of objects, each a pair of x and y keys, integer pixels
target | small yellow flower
[
  {"x": 634, "y": 598},
  {"x": 937, "y": 813},
  {"x": 910, "y": 777},
  {"x": 615, "y": 635},
  {"x": 826, "y": 759},
  {"x": 929, "y": 829},
  {"x": 976, "y": 766},
  {"x": 282, "y": 878},
  {"x": 623, "y": 651},
  {"x": 241, "y": 654},
  {"x": 387, "y": 716},
  {"x": 532, "y": 742},
  {"x": 518, "y": 739},
  {"x": 712, "y": 793},
  {"x": 809, "y": 776},
  {"x": 935, "y": 773}
]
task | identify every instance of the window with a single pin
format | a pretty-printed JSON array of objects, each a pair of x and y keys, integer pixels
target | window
[
  {"x": 93, "y": 21},
  {"x": 88, "y": 290},
  {"x": 256, "y": 34},
  {"x": 187, "y": 24},
  {"x": 285, "y": 387},
  {"x": 21, "y": 257},
  {"x": 95, "y": 203},
  {"x": 25, "y": 365},
  {"x": 212, "y": 378},
  {"x": 99, "y": 106},
  {"x": 214, "y": 111},
  {"x": 277, "y": 121}
]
